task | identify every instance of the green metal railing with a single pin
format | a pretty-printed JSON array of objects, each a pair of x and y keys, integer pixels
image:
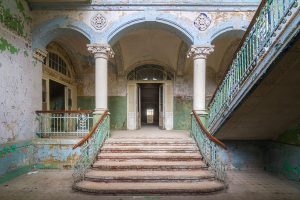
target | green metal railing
[
  {"x": 261, "y": 34},
  {"x": 212, "y": 150},
  {"x": 90, "y": 146},
  {"x": 64, "y": 123}
]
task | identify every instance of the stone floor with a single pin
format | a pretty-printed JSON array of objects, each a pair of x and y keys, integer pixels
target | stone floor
[{"x": 56, "y": 184}]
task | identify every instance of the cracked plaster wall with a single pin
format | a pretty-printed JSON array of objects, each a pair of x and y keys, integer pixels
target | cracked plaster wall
[{"x": 20, "y": 77}]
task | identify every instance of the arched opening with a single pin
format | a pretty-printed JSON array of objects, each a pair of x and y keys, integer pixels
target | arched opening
[
  {"x": 146, "y": 63},
  {"x": 225, "y": 44},
  {"x": 67, "y": 58}
]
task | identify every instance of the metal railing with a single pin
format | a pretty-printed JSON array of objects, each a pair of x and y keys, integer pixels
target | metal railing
[
  {"x": 90, "y": 146},
  {"x": 260, "y": 36},
  {"x": 64, "y": 123},
  {"x": 212, "y": 150}
]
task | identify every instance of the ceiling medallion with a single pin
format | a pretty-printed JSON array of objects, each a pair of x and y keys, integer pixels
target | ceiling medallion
[
  {"x": 98, "y": 21},
  {"x": 202, "y": 22}
]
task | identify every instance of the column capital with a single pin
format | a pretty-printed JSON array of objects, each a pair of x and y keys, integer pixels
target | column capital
[
  {"x": 40, "y": 54},
  {"x": 101, "y": 50},
  {"x": 200, "y": 52}
]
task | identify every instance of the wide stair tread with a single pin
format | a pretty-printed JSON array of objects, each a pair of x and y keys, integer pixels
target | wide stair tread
[
  {"x": 154, "y": 165},
  {"x": 149, "y": 187},
  {"x": 143, "y": 176}
]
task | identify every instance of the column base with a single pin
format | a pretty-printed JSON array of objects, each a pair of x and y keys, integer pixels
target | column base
[
  {"x": 202, "y": 114},
  {"x": 97, "y": 114}
]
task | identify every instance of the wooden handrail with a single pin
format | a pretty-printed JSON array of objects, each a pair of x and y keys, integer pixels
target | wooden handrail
[
  {"x": 100, "y": 120},
  {"x": 63, "y": 111},
  {"x": 208, "y": 134},
  {"x": 261, "y": 5}
]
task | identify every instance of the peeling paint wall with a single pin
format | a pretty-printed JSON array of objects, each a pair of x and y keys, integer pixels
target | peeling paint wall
[
  {"x": 182, "y": 112},
  {"x": 20, "y": 76},
  {"x": 281, "y": 159},
  {"x": 20, "y": 89},
  {"x": 284, "y": 160},
  {"x": 15, "y": 159},
  {"x": 55, "y": 153},
  {"x": 117, "y": 106}
]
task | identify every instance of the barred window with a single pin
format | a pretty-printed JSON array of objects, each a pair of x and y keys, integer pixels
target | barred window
[{"x": 58, "y": 64}]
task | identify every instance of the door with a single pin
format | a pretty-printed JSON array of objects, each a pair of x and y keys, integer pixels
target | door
[
  {"x": 161, "y": 107},
  {"x": 138, "y": 107},
  {"x": 168, "y": 105},
  {"x": 134, "y": 106}
]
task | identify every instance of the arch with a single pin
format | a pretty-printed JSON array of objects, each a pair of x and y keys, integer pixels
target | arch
[
  {"x": 45, "y": 32},
  {"x": 165, "y": 66},
  {"x": 148, "y": 19},
  {"x": 233, "y": 24},
  {"x": 150, "y": 72}
]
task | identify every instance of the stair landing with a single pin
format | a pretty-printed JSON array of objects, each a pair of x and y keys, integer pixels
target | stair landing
[{"x": 149, "y": 161}]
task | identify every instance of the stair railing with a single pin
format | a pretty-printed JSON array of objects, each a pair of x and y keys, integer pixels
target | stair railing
[
  {"x": 90, "y": 146},
  {"x": 266, "y": 26},
  {"x": 212, "y": 149}
]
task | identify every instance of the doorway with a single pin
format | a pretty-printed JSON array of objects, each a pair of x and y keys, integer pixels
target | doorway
[
  {"x": 149, "y": 103},
  {"x": 57, "y": 95}
]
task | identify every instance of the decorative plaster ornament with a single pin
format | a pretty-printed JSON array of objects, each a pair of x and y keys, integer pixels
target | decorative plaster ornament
[
  {"x": 202, "y": 22},
  {"x": 98, "y": 21}
]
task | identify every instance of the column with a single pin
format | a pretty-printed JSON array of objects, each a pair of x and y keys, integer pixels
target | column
[
  {"x": 102, "y": 52},
  {"x": 199, "y": 55}
]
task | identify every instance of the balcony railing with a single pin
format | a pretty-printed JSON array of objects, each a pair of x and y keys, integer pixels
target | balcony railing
[
  {"x": 212, "y": 150},
  {"x": 260, "y": 36},
  {"x": 64, "y": 123}
]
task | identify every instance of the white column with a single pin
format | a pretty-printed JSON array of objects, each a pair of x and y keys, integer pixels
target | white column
[
  {"x": 199, "y": 55},
  {"x": 101, "y": 53}
]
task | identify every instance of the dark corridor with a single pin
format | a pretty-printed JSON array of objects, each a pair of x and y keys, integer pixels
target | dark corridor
[{"x": 150, "y": 102}]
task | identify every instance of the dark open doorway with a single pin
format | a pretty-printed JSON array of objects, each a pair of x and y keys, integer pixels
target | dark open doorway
[
  {"x": 150, "y": 103},
  {"x": 57, "y": 95}
]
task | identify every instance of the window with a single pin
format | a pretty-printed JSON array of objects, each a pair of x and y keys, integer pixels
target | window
[
  {"x": 149, "y": 73},
  {"x": 58, "y": 64},
  {"x": 150, "y": 112}
]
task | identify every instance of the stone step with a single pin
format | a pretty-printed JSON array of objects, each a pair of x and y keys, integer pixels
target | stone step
[
  {"x": 150, "y": 156},
  {"x": 149, "y": 176},
  {"x": 149, "y": 142},
  {"x": 158, "y": 150},
  {"x": 161, "y": 147},
  {"x": 149, "y": 188},
  {"x": 150, "y": 165}
]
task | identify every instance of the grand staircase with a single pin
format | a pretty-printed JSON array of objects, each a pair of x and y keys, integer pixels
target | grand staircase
[{"x": 149, "y": 166}]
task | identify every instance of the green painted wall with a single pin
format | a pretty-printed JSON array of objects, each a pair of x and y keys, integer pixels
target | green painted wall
[
  {"x": 86, "y": 102},
  {"x": 117, "y": 106},
  {"x": 291, "y": 136},
  {"x": 182, "y": 113}
]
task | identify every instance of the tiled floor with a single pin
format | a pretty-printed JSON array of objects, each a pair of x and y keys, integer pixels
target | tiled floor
[{"x": 244, "y": 185}]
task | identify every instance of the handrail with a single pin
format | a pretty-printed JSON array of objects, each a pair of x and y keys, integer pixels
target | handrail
[
  {"x": 63, "y": 111},
  {"x": 209, "y": 135},
  {"x": 247, "y": 32},
  {"x": 100, "y": 120},
  {"x": 261, "y": 36}
]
